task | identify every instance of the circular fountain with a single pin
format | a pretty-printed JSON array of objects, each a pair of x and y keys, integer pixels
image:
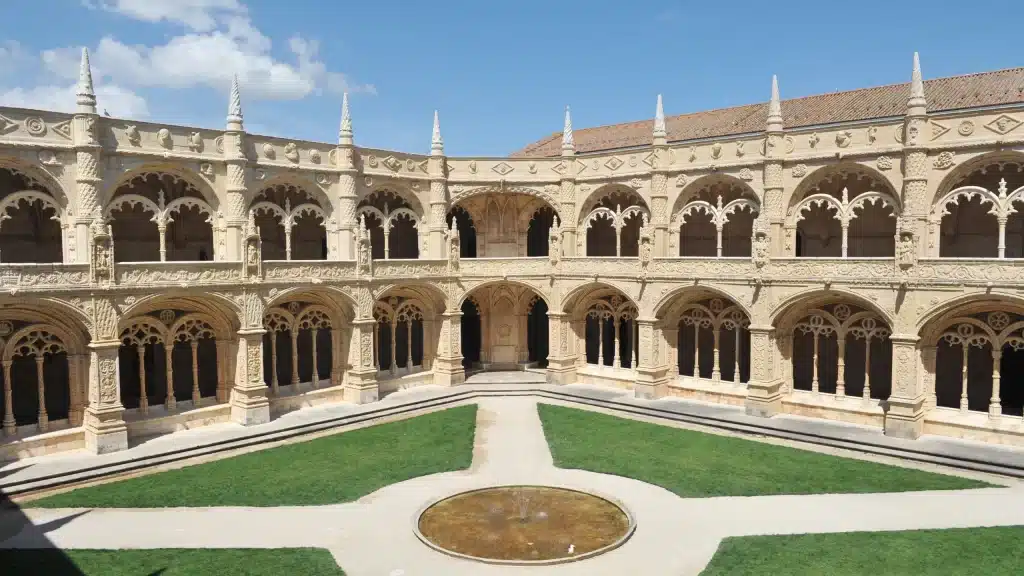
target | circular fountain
[{"x": 524, "y": 525}]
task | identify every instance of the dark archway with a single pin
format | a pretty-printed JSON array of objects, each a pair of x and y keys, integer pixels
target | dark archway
[
  {"x": 537, "y": 333},
  {"x": 467, "y": 231},
  {"x": 537, "y": 234},
  {"x": 471, "y": 342}
]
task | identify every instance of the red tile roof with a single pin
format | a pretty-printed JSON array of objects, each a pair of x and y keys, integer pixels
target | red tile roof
[{"x": 955, "y": 92}]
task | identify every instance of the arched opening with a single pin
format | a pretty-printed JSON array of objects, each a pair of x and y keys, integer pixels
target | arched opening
[
  {"x": 30, "y": 220},
  {"x": 158, "y": 217},
  {"x": 509, "y": 324},
  {"x": 537, "y": 233},
  {"x": 537, "y": 332},
  {"x": 712, "y": 340},
  {"x": 467, "y": 231},
  {"x": 471, "y": 342},
  {"x": 841, "y": 349},
  {"x": 979, "y": 217},
  {"x": 976, "y": 360},
  {"x": 39, "y": 380},
  {"x": 393, "y": 226},
  {"x": 612, "y": 223},
  {"x": 171, "y": 357},
  {"x": 292, "y": 224},
  {"x": 843, "y": 211},
  {"x": 610, "y": 332},
  {"x": 300, "y": 347},
  {"x": 714, "y": 217},
  {"x": 399, "y": 335}
]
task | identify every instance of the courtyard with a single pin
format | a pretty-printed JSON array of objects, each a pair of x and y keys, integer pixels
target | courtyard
[{"x": 703, "y": 501}]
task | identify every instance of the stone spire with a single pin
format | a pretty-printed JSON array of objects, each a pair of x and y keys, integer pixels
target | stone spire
[
  {"x": 345, "y": 130},
  {"x": 916, "y": 104},
  {"x": 660, "y": 133},
  {"x": 86, "y": 97},
  {"x": 775, "y": 108},
  {"x": 235, "y": 106},
  {"x": 568, "y": 143},
  {"x": 436, "y": 144}
]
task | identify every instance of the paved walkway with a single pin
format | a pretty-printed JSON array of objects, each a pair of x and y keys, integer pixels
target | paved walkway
[{"x": 373, "y": 536}]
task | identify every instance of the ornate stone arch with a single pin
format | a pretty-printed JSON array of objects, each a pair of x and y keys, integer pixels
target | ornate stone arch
[
  {"x": 398, "y": 190},
  {"x": 539, "y": 193},
  {"x": 224, "y": 313},
  {"x": 299, "y": 181},
  {"x": 974, "y": 163},
  {"x": 531, "y": 289},
  {"x": 794, "y": 304},
  {"x": 39, "y": 179},
  {"x": 831, "y": 174},
  {"x": 340, "y": 305},
  {"x": 682, "y": 296},
  {"x": 592, "y": 198},
  {"x": 579, "y": 295},
  {"x": 177, "y": 171}
]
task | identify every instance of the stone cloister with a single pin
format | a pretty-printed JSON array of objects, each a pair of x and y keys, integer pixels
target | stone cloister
[{"x": 803, "y": 256}]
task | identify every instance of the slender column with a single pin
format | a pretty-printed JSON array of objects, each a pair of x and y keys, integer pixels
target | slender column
[
  {"x": 169, "y": 402},
  {"x": 696, "y": 349},
  {"x": 143, "y": 400},
  {"x": 376, "y": 345},
  {"x": 718, "y": 241},
  {"x": 736, "y": 358},
  {"x": 274, "y": 386},
  {"x": 618, "y": 241},
  {"x": 636, "y": 344},
  {"x": 295, "y": 357},
  {"x": 600, "y": 341},
  {"x": 75, "y": 382},
  {"x": 336, "y": 339},
  {"x": 616, "y": 359},
  {"x": 394, "y": 334},
  {"x": 1002, "y": 236},
  {"x": 9, "y": 423},
  {"x": 867, "y": 369},
  {"x": 195, "y": 373},
  {"x": 846, "y": 231},
  {"x": 162, "y": 229},
  {"x": 841, "y": 375},
  {"x": 994, "y": 408},
  {"x": 814, "y": 378},
  {"x": 672, "y": 338},
  {"x": 44, "y": 420},
  {"x": 716, "y": 371},
  {"x": 316, "y": 371},
  {"x": 963, "y": 379},
  {"x": 928, "y": 354},
  {"x": 387, "y": 241},
  {"x": 287, "y": 242},
  {"x": 408, "y": 345},
  {"x": 223, "y": 373}
]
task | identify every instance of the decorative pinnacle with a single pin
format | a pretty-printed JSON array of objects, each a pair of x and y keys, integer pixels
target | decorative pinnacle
[
  {"x": 86, "y": 97},
  {"x": 775, "y": 105},
  {"x": 659, "y": 120},
  {"x": 235, "y": 106},
  {"x": 436, "y": 144},
  {"x": 568, "y": 143},
  {"x": 345, "y": 131},
  {"x": 917, "y": 99}
]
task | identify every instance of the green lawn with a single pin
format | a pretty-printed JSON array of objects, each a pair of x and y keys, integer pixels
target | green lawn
[
  {"x": 697, "y": 464},
  {"x": 960, "y": 551},
  {"x": 171, "y": 562},
  {"x": 338, "y": 468}
]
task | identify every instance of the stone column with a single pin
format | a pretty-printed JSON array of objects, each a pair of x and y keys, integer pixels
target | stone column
[
  {"x": 671, "y": 337},
  {"x": 104, "y": 426},
  {"x": 249, "y": 403},
  {"x": 764, "y": 390},
  {"x": 236, "y": 190},
  {"x": 88, "y": 165},
  {"x": 652, "y": 374},
  {"x": 562, "y": 358},
  {"x": 905, "y": 417},
  {"x": 361, "y": 381},
  {"x": 659, "y": 161},
  {"x": 347, "y": 199},
  {"x": 448, "y": 370}
]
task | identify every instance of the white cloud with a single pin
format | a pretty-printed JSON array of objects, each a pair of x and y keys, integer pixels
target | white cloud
[
  {"x": 219, "y": 40},
  {"x": 116, "y": 100},
  {"x": 199, "y": 15}
]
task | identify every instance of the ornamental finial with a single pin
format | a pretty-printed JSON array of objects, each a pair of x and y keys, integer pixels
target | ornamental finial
[
  {"x": 345, "y": 131},
  {"x": 659, "y": 120},
  {"x": 775, "y": 106},
  {"x": 235, "y": 106},
  {"x": 436, "y": 144},
  {"x": 917, "y": 99},
  {"x": 86, "y": 96},
  {"x": 568, "y": 143}
]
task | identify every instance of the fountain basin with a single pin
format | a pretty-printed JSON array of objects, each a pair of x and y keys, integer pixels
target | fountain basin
[{"x": 524, "y": 525}]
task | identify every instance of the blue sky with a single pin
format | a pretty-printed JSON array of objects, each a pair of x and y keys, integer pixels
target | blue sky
[{"x": 500, "y": 73}]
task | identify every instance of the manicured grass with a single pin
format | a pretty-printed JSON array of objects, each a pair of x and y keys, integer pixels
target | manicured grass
[
  {"x": 960, "y": 551},
  {"x": 327, "y": 470},
  {"x": 697, "y": 464},
  {"x": 171, "y": 562}
]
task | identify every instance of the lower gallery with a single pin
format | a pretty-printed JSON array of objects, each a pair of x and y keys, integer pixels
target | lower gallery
[{"x": 855, "y": 256}]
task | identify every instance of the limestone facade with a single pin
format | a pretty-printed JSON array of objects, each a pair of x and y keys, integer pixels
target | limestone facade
[{"x": 159, "y": 277}]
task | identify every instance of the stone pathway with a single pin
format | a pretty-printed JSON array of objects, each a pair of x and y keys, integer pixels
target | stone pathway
[{"x": 374, "y": 537}]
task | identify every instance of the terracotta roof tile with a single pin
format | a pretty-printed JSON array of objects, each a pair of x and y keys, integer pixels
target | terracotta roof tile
[{"x": 956, "y": 92}]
